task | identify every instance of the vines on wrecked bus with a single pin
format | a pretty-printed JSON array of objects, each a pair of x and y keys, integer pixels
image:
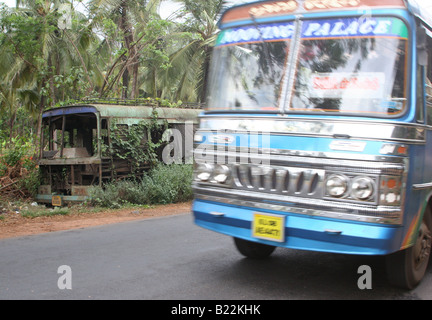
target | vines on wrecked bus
[{"x": 140, "y": 144}]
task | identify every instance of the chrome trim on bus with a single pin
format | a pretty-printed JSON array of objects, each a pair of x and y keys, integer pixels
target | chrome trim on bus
[
  {"x": 422, "y": 186},
  {"x": 288, "y": 182},
  {"x": 303, "y": 206},
  {"x": 263, "y": 154},
  {"x": 406, "y": 133},
  {"x": 394, "y": 165}
]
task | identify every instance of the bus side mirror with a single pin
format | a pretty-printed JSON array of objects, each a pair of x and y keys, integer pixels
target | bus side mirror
[{"x": 422, "y": 54}]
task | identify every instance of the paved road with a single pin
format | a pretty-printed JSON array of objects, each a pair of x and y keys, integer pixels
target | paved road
[{"x": 171, "y": 258}]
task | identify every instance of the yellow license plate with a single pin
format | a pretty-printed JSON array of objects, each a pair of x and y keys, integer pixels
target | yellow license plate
[
  {"x": 57, "y": 201},
  {"x": 268, "y": 227}
]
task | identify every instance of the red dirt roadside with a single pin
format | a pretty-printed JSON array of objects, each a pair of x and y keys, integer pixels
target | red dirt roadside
[{"x": 14, "y": 225}]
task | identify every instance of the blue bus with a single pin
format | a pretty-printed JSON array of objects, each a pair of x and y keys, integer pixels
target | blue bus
[{"x": 317, "y": 131}]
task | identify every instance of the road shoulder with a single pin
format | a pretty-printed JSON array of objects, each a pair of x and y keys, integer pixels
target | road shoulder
[{"x": 14, "y": 225}]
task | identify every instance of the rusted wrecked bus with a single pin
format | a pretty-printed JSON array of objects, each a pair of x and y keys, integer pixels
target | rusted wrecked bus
[{"x": 81, "y": 145}]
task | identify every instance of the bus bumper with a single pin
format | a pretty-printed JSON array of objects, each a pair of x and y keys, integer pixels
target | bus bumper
[
  {"x": 302, "y": 231},
  {"x": 61, "y": 200}
]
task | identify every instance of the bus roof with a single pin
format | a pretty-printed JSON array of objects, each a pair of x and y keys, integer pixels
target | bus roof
[
  {"x": 172, "y": 115},
  {"x": 277, "y": 8},
  {"x": 421, "y": 11}
]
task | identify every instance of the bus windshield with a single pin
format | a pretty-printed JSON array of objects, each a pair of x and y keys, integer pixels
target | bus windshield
[{"x": 346, "y": 66}]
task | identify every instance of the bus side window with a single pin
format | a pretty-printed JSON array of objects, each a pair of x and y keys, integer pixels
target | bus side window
[{"x": 428, "y": 84}]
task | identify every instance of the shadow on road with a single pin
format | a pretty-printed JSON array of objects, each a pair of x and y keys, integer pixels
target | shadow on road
[{"x": 294, "y": 274}]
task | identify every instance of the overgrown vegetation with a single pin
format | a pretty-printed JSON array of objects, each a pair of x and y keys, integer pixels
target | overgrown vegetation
[
  {"x": 165, "y": 184},
  {"x": 52, "y": 54},
  {"x": 19, "y": 173},
  {"x": 29, "y": 212},
  {"x": 140, "y": 143},
  {"x": 162, "y": 185}
]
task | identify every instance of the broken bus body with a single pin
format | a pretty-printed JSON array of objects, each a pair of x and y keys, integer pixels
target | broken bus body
[{"x": 77, "y": 148}]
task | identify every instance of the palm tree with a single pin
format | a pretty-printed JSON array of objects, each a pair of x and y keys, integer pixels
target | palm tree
[
  {"x": 39, "y": 51},
  {"x": 190, "y": 62},
  {"x": 130, "y": 17}
]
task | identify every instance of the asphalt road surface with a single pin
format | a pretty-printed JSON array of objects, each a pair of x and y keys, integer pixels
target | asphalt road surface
[{"x": 172, "y": 259}]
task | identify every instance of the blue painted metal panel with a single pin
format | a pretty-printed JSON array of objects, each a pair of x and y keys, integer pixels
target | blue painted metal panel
[
  {"x": 69, "y": 110},
  {"x": 303, "y": 232},
  {"x": 296, "y": 143}
]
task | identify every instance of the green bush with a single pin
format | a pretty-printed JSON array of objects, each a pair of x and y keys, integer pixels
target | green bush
[
  {"x": 18, "y": 149},
  {"x": 31, "y": 181},
  {"x": 16, "y": 161},
  {"x": 43, "y": 212},
  {"x": 105, "y": 197},
  {"x": 164, "y": 184},
  {"x": 168, "y": 184}
]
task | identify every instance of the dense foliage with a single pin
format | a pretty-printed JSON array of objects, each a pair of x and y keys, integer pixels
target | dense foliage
[
  {"x": 52, "y": 54},
  {"x": 163, "y": 184}
]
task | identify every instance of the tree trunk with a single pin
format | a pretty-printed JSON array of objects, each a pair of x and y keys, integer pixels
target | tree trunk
[
  {"x": 135, "y": 92},
  {"x": 132, "y": 60},
  {"x": 206, "y": 67},
  {"x": 125, "y": 82}
]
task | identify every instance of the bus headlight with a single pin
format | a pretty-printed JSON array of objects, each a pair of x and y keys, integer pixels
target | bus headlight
[
  {"x": 221, "y": 173},
  {"x": 362, "y": 188},
  {"x": 336, "y": 185},
  {"x": 204, "y": 171}
]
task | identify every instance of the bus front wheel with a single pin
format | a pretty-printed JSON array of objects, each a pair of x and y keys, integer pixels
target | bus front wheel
[
  {"x": 253, "y": 250},
  {"x": 406, "y": 268}
]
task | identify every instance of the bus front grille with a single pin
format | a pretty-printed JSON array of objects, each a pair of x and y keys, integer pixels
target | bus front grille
[{"x": 279, "y": 180}]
